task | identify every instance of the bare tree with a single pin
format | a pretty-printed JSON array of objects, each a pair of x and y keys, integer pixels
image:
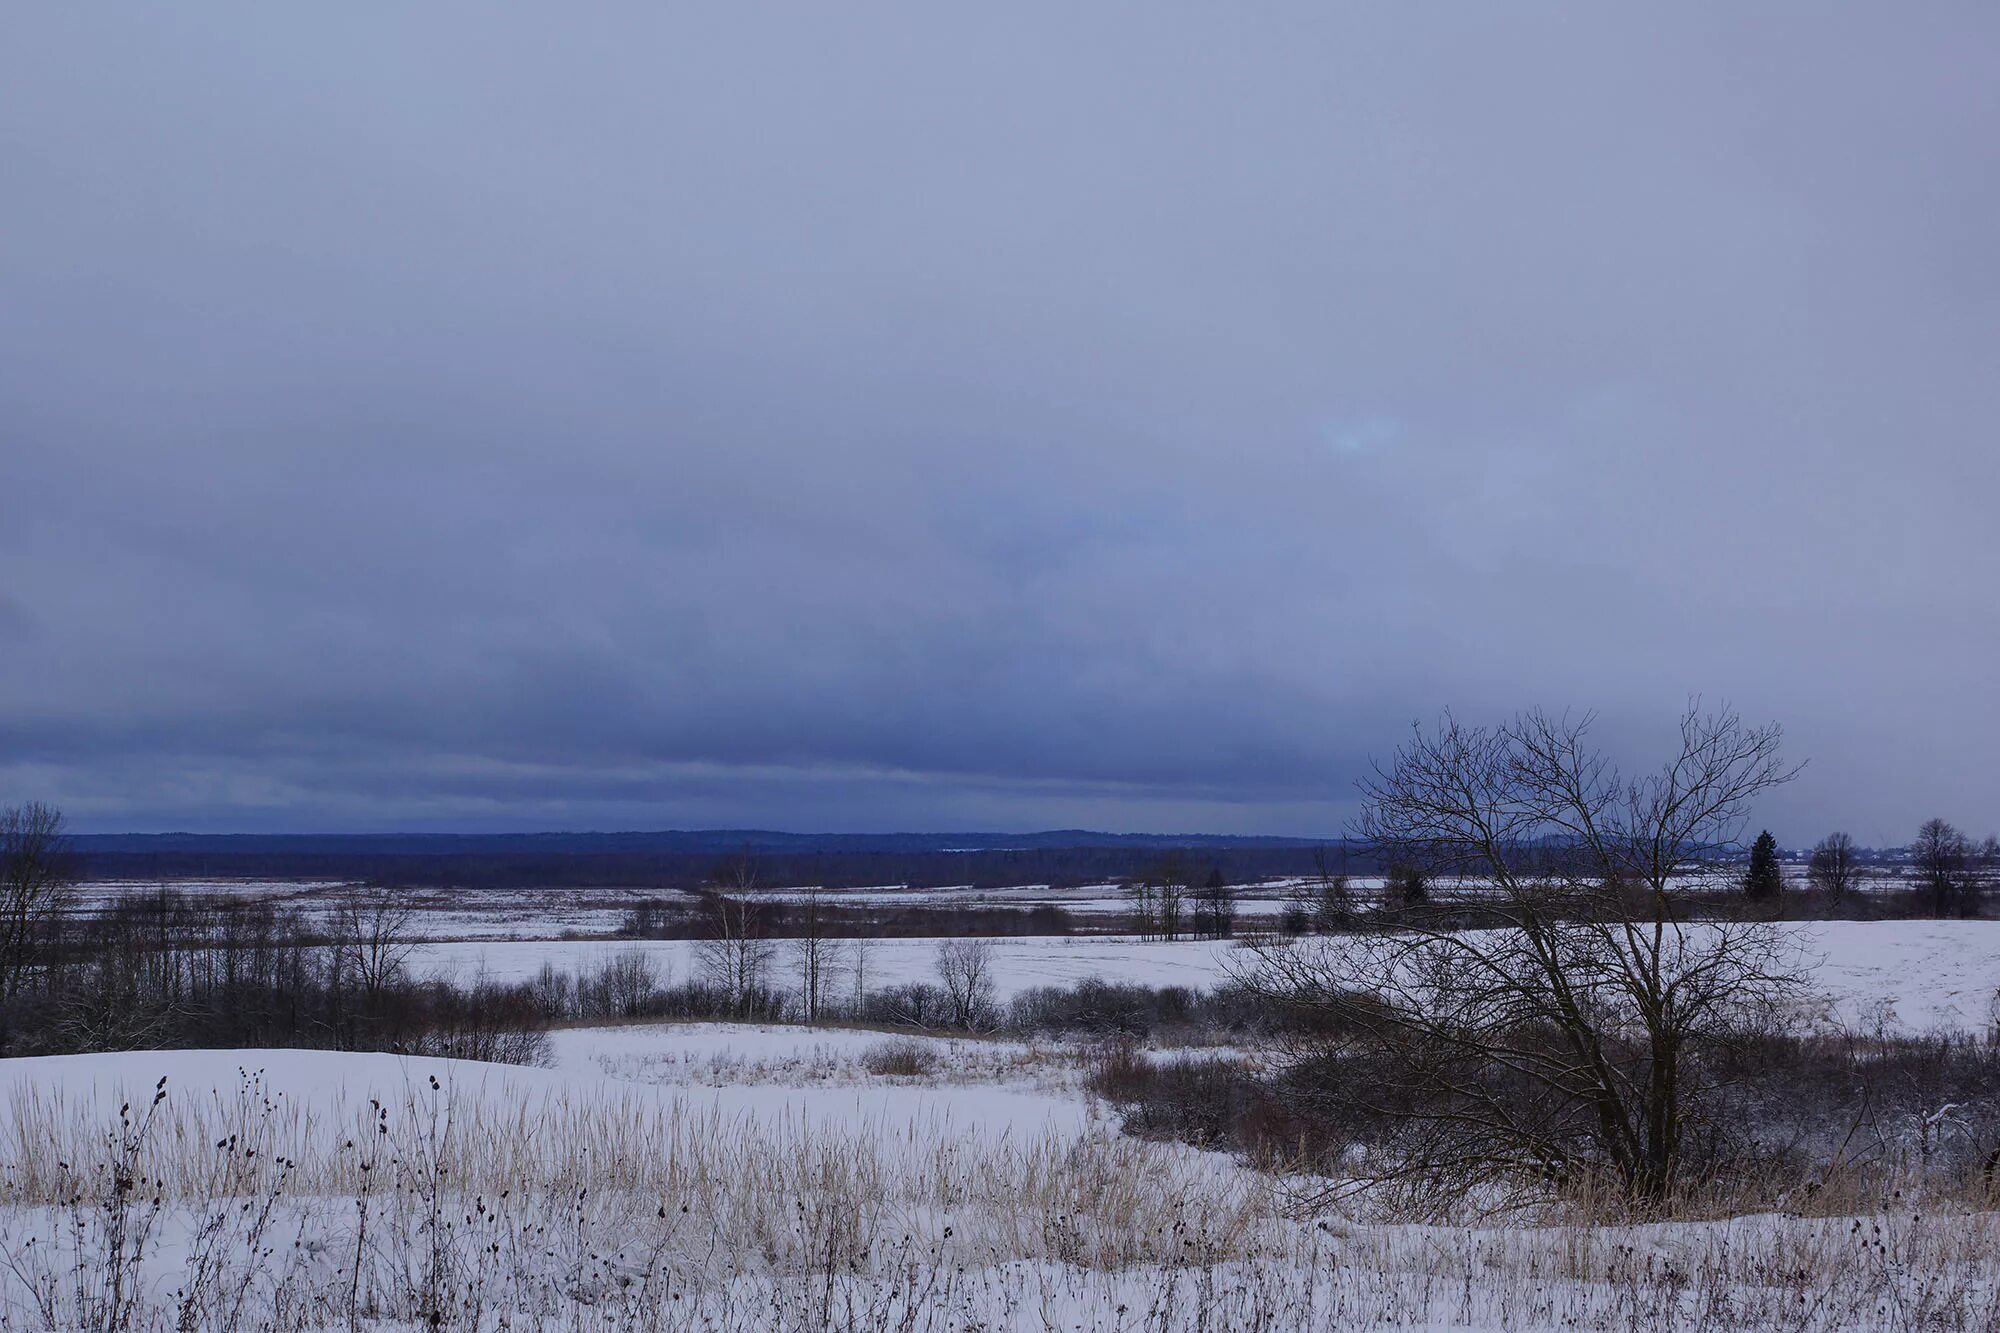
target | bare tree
[
  {"x": 1564, "y": 1044},
  {"x": 373, "y": 938},
  {"x": 736, "y": 956},
  {"x": 1333, "y": 900},
  {"x": 1215, "y": 906},
  {"x": 813, "y": 955},
  {"x": 965, "y": 971},
  {"x": 1985, "y": 865},
  {"x": 1945, "y": 863},
  {"x": 36, "y": 876},
  {"x": 1320, "y": 902},
  {"x": 1833, "y": 868},
  {"x": 1145, "y": 896},
  {"x": 860, "y": 965},
  {"x": 1169, "y": 880}
]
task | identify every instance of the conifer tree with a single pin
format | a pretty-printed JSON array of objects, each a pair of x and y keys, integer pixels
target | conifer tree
[{"x": 1764, "y": 881}]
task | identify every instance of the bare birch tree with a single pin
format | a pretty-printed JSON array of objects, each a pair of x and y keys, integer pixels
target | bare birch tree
[
  {"x": 860, "y": 968},
  {"x": 813, "y": 955},
  {"x": 735, "y": 957},
  {"x": 1563, "y": 1045}
]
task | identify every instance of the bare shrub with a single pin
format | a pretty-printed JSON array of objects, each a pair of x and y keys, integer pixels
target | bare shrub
[
  {"x": 965, "y": 973},
  {"x": 912, "y": 1004},
  {"x": 1174, "y": 1015},
  {"x": 1214, "y": 1103},
  {"x": 901, "y": 1058},
  {"x": 623, "y": 986}
]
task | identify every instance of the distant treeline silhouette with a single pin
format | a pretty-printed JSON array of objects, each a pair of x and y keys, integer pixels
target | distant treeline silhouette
[{"x": 687, "y": 861}]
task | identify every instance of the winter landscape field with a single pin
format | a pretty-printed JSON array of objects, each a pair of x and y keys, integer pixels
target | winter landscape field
[
  {"x": 1028, "y": 667},
  {"x": 863, "y": 1172}
]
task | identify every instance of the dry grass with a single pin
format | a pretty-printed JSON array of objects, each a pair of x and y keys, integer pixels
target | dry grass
[
  {"x": 735, "y": 1169},
  {"x": 247, "y": 1211},
  {"x": 899, "y": 1058}
]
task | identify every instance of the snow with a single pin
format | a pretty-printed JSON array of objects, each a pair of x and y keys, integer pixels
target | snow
[
  {"x": 1019, "y": 963},
  {"x": 737, "y": 1073},
  {"x": 1912, "y": 976},
  {"x": 322, "y": 1079},
  {"x": 1014, "y": 1262}
]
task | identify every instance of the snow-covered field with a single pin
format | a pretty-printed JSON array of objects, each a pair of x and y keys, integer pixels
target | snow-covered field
[
  {"x": 1888, "y": 975},
  {"x": 1911, "y": 976},
  {"x": 732, "y": 1177},
  {"x": 736, "y": 1178}
]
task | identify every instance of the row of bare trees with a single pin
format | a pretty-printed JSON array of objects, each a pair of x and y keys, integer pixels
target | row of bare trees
[
  {"x": 739, "y": 957},
  {"x": 164, "y": 968},
  {"x": 167, "y": 969},
  {"x": 1168, "y": 901}
]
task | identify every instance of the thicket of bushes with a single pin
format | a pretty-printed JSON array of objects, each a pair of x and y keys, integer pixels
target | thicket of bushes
[
  {"x": 176, "y": 970},
  {"x": 1785, "y": 1117},
  {"x": 168, "y": 969}
]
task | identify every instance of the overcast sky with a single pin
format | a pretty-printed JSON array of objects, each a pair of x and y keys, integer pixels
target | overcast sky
[{"x": 922, "y": 416}]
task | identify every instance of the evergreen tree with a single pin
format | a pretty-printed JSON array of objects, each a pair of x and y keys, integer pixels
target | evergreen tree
[
  {"x": 1764, "y": 880},
  {"x": 1409, "y": 885}
]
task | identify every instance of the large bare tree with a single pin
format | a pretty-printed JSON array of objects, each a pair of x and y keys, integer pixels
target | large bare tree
[
  {"x": 1950, "y": 868},
  {"x": 1561, "y": 1044},
  {"x": 374, "y": 936},
  {"x": 1834, "y": 869}
]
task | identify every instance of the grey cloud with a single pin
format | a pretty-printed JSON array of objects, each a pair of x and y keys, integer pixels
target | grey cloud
[{"x": 873, "y": 417}]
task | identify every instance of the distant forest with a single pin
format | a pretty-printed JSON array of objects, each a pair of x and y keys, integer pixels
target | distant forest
[{"x": 687, "y": 860}]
